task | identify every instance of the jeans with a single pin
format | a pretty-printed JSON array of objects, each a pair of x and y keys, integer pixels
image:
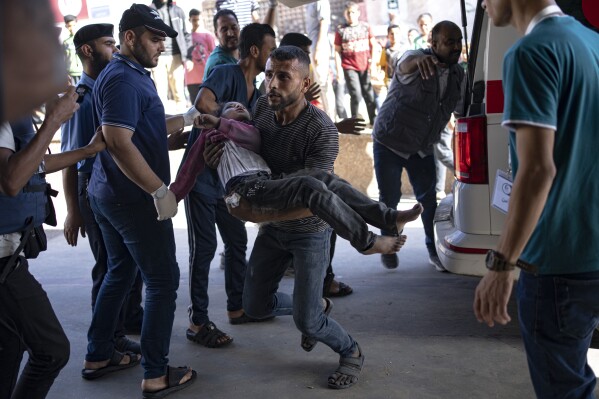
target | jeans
[
  {"x": 329, "y": 197},
  {"x": 134, "y": 238},
  {"x": 358, "y": 86},
  {"x": 131, "y": 312},
  {"x": 388, "y": 167},
  {"x": 557, "y": 317},
  {"x": 202, "y": 213},
  {"x": 339, "y": 90},
  {"x": 28, "y": 323},
  {"x": 443, "y": 158},
  {"x": 310, "y": 254}
]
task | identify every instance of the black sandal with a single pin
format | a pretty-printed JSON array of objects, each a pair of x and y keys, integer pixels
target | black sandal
[
  {"x": 174, "y": 375},
  {"x": 209, "y": 336},
  {"x": 113, "y": 365}
]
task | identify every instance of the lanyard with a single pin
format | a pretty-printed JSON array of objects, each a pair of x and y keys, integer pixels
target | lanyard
[{"x": 549, "y": 11}]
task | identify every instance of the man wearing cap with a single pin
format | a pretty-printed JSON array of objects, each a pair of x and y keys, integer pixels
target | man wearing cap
[
  {"x": 94, "y": 45},
  {"x": 127, "y": 191}
]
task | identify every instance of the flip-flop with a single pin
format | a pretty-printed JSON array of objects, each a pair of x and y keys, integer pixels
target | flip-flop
[
  {"x": 112, "y": 366},
  {"x": 308, "y": 343},
  {"x": 173, "y": 376},
  {"x": 348, "y": 366}
]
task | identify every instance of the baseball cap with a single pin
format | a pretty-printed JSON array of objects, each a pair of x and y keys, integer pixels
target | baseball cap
[
  {"x": 92, "y": 32},
  {"x": 142, "y": 15}
]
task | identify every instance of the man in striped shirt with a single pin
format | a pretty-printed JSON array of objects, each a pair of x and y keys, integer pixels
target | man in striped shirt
[{"x": 296, "y": 135}]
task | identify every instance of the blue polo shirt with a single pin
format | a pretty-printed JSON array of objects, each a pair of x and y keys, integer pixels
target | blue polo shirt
[
  {"x": 125, "y": 97},
  {"x": 79, "y": 130},
  {"x": 218, "y": 56},
  {"x": 551, "y": 80},
  {"x": 227, "y": 82}
]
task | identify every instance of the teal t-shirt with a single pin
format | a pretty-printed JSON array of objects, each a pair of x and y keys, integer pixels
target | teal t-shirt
[
  {"x": 218, "y": 57},
  {"x": 551, "y": 79}
]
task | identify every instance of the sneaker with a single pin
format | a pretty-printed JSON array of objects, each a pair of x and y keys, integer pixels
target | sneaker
[
  {"x": 390, "y": 261},
  {"x": 434, "y": 260}
]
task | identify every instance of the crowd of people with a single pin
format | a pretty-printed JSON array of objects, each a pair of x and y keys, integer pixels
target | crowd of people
[{"x": 265, "y": 155}]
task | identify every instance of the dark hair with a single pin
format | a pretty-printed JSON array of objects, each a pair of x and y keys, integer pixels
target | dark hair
[
  {"x": 289, "y": 53},
  {"x": 220, "y": 13},
  {"x": 392, "y": 27},
  {"x": 296, "y": 39},
  {"x": 138, "y": 31},
  {"x": 69, "y": 18},
  {"x": 350, "y": 4},
  {"x": 424, "y": 14},
  {"x": 194, "y": 12},
  {"x": 253, "y": 35},
  {"x": 443, "y": 25}
]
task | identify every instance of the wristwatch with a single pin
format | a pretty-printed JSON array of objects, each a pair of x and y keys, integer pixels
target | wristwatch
[
  {"x": 160, "y": 193},
  {"x": 497, "y": 262}
]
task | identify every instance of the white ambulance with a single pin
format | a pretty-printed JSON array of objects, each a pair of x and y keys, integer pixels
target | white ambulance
[{"x": 467, "y": 224}]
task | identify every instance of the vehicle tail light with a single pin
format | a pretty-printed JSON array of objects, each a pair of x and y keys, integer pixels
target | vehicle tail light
[{"x": 470, "y": 150}]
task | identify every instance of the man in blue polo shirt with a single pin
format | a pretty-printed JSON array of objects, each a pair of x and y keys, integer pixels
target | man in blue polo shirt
[
  {"x": 551, "y": 84},
  {"x": 94, "y": 45},
  {"x": 133, "y": 170},
  {"x": 205, "y": 206}
]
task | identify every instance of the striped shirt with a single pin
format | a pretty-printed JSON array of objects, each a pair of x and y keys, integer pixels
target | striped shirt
[
  {"x": 242, "y": 8},
  {"x": 310, "y": 141}
]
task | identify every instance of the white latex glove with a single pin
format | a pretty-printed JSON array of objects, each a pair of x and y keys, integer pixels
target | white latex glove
[
  {"x": 190, "y": 115},
  {"x": 165, "y": 203}
]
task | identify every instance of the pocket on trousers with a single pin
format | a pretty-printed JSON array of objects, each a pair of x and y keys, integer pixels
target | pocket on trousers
[{"x": 577, "y": 306}]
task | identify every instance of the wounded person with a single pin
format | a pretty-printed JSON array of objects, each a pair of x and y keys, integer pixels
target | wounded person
[{"x": 246, "y": 175}]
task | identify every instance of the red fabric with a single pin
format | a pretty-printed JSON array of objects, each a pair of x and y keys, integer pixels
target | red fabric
[
  {"x": 241, "y": 133},
  {"x": 355, "y": 46},
  {"x": 202, "y": 46}
]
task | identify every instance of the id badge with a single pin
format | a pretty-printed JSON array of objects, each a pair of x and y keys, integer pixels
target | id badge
[{"x": 502, "y": 191}]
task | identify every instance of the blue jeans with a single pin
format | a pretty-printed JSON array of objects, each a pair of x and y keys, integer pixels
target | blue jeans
[
  {"x": 202, "y": 213},
  {"x": 131, "y": 312},
  {"x": 388, "y": 167},
  {"x": 310, "y": 255},
  {"x": 557, "y": 317},
  {"x": 135, "y": 238}
]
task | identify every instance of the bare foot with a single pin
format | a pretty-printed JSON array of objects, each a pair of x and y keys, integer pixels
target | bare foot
[
  {"x": 404, "y": 217},
  {"x": 157, "y": 384},
  {"x": 386, "y": 245}
]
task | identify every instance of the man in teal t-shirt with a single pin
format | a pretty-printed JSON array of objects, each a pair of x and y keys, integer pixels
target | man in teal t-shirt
[
  {"x": 551, "y": 87},
  {"x": 226, "y": 29}
]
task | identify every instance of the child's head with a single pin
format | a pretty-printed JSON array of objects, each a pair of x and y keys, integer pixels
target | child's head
[{"x": 236, "y": 111}]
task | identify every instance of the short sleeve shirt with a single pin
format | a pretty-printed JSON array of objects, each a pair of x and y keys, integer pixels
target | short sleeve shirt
[
  {"x": 551, "y": 80},
  {"x": 125, "y": 97},
  {"x": 79, "y": 130},
  {"x": 7, "y": 139},
  {"x": 315, "y": 13},
  {"x": 355, "y": 46},
  {"x": 242, "y": 8},
  {"x": 227, "y": 82},
  {"x": 218, "y": 57},
  {"x": 202, "y": 45}
]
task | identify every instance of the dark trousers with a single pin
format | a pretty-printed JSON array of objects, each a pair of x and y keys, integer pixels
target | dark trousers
[
  {"x": 28, "y": 323},
  {"x": 388, "y": 167},
  {"x": 329, "y": 197},
  {"x": 131, "y": 313},
  {"x": 202, "y": 215},
  {"x": 358, "y": 85}
]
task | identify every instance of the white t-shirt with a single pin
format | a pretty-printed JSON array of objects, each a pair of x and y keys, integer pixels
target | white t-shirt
[{"x": 8, "y": 242}]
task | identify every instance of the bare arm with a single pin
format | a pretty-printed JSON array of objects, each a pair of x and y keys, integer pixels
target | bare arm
[
  {"x": 322, "y": 42},
  {"x": 56, "y": 162},
  {"x": 269, "y": 18},
  {"x": 206, "y": 102},
  {"x": 531, "y": 187},
  {"x": 74, "y": 221},
  {"x": 338, "y": 63},
  {"x": 129, "y": 159},
  {"x": 17, "y": 168}
]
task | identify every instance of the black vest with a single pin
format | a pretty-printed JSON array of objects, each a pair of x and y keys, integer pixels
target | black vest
[
  {"x": 32, "y": 200},
  {"x": 412, "y": 117}
]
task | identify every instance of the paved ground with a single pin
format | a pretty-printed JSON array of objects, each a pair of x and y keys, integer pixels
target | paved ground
[{"x": 414, "y": 325}]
